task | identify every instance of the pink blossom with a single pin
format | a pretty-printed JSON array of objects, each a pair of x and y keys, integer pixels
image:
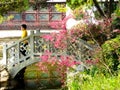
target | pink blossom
[
  {"x": 48, "y": 37},
  {"x": 92, "y": 62},
  {"x": 44, "y": 58},
  {"x": 89, "y": 61},
  {"x": 116, "y": 30},
  {"x": 67, "y": 61}
]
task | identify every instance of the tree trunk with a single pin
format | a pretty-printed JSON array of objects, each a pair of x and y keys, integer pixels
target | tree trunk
[{"x": 98, "y": 8}]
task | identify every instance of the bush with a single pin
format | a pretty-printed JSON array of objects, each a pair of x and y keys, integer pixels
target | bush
[
  {"x": 111, "y": 54},
  {"x": 82, "y": 81},
  {"x": 108, "y": 56},
  {"x": 116, "y": 23}
]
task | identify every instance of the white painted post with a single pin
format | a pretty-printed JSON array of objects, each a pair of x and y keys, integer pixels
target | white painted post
[
  {"x": 32, "y": 43},
  {"x": 18, "y": 52},
  {"x": 5, "y": 54},
  {"x": 31, "y": 32},
  {"x": 37, "y": 31}
]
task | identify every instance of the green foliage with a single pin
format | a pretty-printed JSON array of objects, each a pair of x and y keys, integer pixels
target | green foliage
[
  {"x": 92, "y": 71},
  {"x": 100, "y": 82},
  {"x": 111, "y": 54},
  {"x": 117, "y": 11},
  {"x": 82, "y": 81},
  {"x": 116, "y": 23},
  {"x": 60, "y": 7},
  {"x": 13, "y": 5},
  {"x": 74, "y": 81},
  {"x": 2, "y": 19},
  {"x": 79, "y": 13},
  {"x": 79, "y": 3},
  {"x": 104, "y": 9}
]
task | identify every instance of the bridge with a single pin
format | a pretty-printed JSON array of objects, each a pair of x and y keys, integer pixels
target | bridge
[{"x": 18, "y": 56}]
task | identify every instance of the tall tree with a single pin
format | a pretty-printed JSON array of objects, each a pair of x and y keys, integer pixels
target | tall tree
[
  {"x": 105, "y": 10},
  {"x": 12, "y": 5}
]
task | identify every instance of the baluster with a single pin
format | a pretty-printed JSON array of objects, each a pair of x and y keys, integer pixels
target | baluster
[
  {"x": 31, "y": 32},
  {"x": 32, "y": 43},
  {"x": 18, "y": 52},
  {"x": 37, "y": 31},
  {"x": 5, "y": 54}
]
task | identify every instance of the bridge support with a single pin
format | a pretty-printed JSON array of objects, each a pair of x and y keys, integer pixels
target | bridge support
[{"x": 19, "y": 78}]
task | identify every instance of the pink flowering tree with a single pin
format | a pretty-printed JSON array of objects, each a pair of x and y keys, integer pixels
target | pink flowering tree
[
  {"x": 65, "y": 52},
  {"x": 61, "y": 56},
  {"x": 60, "y": 64},
  {"x": 70, "y": 47}
]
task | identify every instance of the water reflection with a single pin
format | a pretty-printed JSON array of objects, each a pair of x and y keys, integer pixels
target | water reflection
[
  {"x": 21, "y": 84},
  {"x": 18, "y": 82},
  {"x": 26, "y": 79}
]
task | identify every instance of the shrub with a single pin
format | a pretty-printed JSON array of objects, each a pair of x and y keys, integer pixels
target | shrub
[
  {"x": 82, "y": 81},
  {"x": 111, "y": 54}
]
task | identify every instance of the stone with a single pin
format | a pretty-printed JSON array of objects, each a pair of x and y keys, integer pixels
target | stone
[{"x": 4, "y": 75}]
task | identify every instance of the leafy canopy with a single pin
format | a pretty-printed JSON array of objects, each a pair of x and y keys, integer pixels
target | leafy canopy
[
  {"x": 11, "y": 5},
  {"x": 73, "y": 4},
  {"x": 105, "y": 8}
]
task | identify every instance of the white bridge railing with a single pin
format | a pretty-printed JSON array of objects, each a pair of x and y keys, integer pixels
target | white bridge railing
[
  {"x": 28, "y": 50},
  {"x": 24, "y": 52}
]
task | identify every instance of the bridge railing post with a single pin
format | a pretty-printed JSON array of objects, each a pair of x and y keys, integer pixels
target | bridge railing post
[
  {"x": 37, "y": 31},
  {"x": 18, "y": 51},
  {"x": 5, "y": 54},
  {"x": 32, "y": 43}
]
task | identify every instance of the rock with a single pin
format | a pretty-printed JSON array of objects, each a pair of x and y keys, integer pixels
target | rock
[{"x": 4, "y": 75}]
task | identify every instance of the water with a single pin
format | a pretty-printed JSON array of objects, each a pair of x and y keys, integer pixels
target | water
[
  {"x": 30, "y": 78},
  {"x": 29, "y": 86},
  {"x": 22, "y": 84}
]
